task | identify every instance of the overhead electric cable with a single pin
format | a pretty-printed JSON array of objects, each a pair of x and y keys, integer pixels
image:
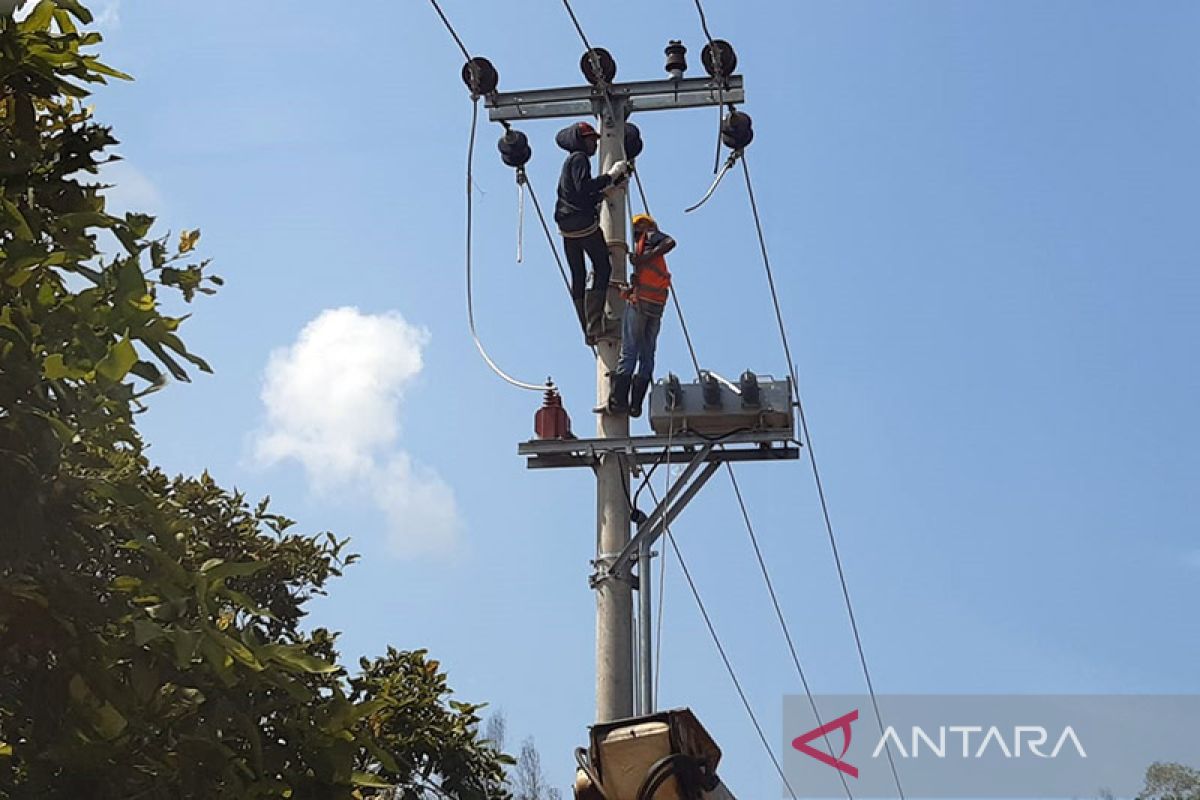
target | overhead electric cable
[
  {"x": 450, "y": 28},
  {"x": 750, "y": 531},
  {"x": 578, "y": 27},
  {"x": 470, "y": 299},
  {"x": 704, "y": 22},
  {"x": 737, "y": 684},
  {"x": 837, "y": 559},
  {"x": 470, "y": 224}
]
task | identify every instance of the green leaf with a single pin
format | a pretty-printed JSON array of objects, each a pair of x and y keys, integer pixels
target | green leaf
[
  {"x": 245, "y": 602},
  {"x": 54, "y": 368},
  {"x": 217, "y": 570},
  {"x": 126, "y": 583},
  {"x": 184, "y": 644},
  {"x": 65, "y": 433},
  {"x": 177, "y": 372},
  {"x": 236, "y": 649},
  {"x": 19, "y": 226},
  {"x": 120, "y": 359},
  {"x": 131, "y": 284},
  {"x": 145, "y": 631},
  {"x": 104, "y": 69},
  {"x": 40, "y": 19},
  {"x": 294, "y": 657},
  {"x": 148, "y": 372},
  {"x": 369, "y": 781},
  {"x": 109, "y": 722},
  {"x": 76, "y": 8}
]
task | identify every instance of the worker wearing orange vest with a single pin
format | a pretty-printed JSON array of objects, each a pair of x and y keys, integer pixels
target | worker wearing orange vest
[{"x": 646, "y": 298}]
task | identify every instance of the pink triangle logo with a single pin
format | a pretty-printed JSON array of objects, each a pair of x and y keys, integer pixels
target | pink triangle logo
[{"x": 801, "y": 743}]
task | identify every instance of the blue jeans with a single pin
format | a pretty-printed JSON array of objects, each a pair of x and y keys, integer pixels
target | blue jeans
[{"x": 639, "y": 337}]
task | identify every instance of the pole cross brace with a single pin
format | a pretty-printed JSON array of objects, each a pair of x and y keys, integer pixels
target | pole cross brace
[{"x": 672, "y": 504}]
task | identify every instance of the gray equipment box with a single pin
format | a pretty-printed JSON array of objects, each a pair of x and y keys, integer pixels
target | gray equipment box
[{"x": 714, "y": 406}]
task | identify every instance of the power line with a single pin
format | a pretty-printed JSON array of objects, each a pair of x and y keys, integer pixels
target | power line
[
  {"x": 737, "y": 684},
  {"x": 737, "y": 490},
  {"x": 578, "y": 27},
  {"x": 787, "y": 635},
  {"x": 450, "y": 28},
  {"x": 704, "y": 25},
  {"x": 470, "y": 293},
  {"x": 837, "y": 559},
  {"x": 471, "y": 224},
  {"x": 522, "y": 181}
]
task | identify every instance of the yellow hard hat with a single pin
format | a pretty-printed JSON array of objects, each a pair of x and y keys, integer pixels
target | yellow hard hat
[{"x": 644, "y": 218}]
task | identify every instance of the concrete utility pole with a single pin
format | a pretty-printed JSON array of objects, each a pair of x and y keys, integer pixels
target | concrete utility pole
[
  {"x": 612, "y": 103},
  {"x": 614, "y": 597}
]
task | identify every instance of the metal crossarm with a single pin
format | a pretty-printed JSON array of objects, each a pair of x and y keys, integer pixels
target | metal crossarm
[
  {"x": 575, "y": 101},
  {"x": 643, "y": 450}
]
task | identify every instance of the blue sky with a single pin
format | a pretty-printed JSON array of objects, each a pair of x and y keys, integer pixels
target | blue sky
[{"x": 982, "y": 219}]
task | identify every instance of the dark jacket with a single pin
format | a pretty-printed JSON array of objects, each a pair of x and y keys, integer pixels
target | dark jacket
[{"x": 579, "y": 194}]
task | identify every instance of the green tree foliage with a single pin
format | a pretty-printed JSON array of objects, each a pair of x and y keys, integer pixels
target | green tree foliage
[
  {"x": 1167, "y": 781},
  {"x": 151, "y": 643}
]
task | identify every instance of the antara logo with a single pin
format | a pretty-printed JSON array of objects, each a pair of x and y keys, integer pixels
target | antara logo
[
  {"x": 1024, "y": 739},
  {"x": 801, "y": 743},
  {"x": 1033, "y": 737}
]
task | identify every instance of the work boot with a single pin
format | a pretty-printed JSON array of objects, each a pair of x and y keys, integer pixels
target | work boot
[
  {"x": 618, "y": 394},
  {"x": 640, "y": 386},
  {"x": 594, "y": 305},
  {"x": 581, "y": 313}
]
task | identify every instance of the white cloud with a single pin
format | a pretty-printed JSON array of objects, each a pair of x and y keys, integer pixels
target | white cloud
[
  {"x": 108, "y": 14},
  {"x": 333, "y": 401},
  {"x": 129, "y": 189}
]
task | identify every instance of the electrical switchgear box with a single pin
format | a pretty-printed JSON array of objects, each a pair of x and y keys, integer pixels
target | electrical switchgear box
[{"x": 713, "y": 406}]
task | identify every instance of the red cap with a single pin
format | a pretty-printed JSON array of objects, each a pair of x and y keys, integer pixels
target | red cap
[{"x": 585, "y": 129}]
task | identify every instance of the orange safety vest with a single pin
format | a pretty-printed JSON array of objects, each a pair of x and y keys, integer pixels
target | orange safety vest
[{"x": 652, "y": 280}]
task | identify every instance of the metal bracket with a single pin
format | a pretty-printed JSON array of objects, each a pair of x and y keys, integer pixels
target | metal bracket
[
  {"x": 678, "y": 496},
  {"x": 575, "y": 101},
  {"x": 765, "y": 445},
  {"x": 602, "y": 572}
]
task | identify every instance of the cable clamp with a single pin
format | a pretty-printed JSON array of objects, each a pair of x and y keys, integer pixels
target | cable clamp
[{"x": 602, "y": 572}]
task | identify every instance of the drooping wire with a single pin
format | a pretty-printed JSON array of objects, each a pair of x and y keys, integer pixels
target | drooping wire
[
  {"x": 716, "y": 56},
  {"x": 737, "y": 684},
  {"x": 520, "y": 221},
  {"x": 471, "y": 224},
  {"x": 450, "y": 28},
  {"x": 737, "y": 490},
  {"x": 837, "y": 559},
  {"x": 534, "y": 387}
]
